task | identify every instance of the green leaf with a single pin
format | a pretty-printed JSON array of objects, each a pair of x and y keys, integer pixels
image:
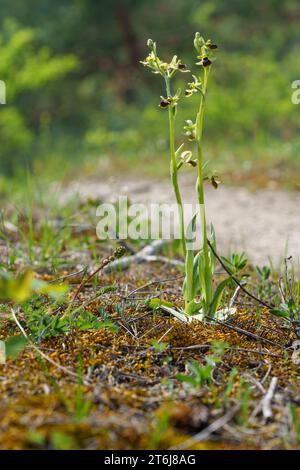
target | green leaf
[
  {"x": 14, "y": 345},
  {"x": 202, "y": 273},
  {"x": 154, "y": 304},
  {"x": 168, "y": 307},
  {"x": 218, "y": 296},
  {"x": 15, "y": 289},
  {"x": 180, "y": 315},
  {"x": 280, "y": 313},
  {"x": 88, "y": 321},
  {"x": 188, "y": 290},
  {"x": 187, "y": 379},
  {"x": 159, "y": 347},
  {"x": 196, "y": 286},
  {"x": 62, "y": 441},
  {"x": 219, "y": 347},
  {"x": 56, "y": 291},
  {"x": 193, "y": 307},
  {"x": 21, "y": 288}
]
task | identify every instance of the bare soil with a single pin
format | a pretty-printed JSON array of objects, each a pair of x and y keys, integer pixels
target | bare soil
[{"x": 264, "y": 223}]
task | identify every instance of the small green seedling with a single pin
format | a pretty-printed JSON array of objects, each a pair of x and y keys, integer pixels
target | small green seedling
[
  {"x": 236, "y": 262},
  {"x": 198, "y": 375},
  {"x": 287, "y": 300},
  {"x": 201, "y": 374},
  {"x": 159, "y": 347}
]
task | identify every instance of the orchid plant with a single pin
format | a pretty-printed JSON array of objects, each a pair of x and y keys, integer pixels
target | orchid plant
[{"x": 201, "y": 298}]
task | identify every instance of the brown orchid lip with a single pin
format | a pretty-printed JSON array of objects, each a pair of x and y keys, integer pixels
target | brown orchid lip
[
  {"x": 164, "y": 103},
  {"x": 212, "y": 46},
  {"x": 181, "y": 66},
  {"x": 206, "y": 62}
]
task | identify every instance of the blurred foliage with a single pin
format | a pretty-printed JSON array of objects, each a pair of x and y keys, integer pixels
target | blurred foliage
[
  {"x": 26, "y": 68},
  {"x": 76, "y": 88}
]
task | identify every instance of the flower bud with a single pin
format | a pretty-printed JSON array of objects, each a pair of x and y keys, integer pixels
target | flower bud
[
  {"x": 119, "y": 252},
  {"x": 150, "y": 43},
  {"x": 198, "y": 42}
]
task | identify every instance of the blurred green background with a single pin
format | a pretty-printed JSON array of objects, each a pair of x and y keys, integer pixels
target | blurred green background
[{"x": 78, "y": 99}]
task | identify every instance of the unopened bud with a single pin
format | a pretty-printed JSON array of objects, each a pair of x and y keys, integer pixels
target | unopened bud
[
  {"x": 150, "y": 43},
  {"x": 119, "y": 252},
  {"x": 198, "y": 42}
]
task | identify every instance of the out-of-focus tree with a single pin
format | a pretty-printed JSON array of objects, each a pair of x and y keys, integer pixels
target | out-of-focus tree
[
  {"x": 25, "y": 67},
  {"x": 249, "y": 98}
]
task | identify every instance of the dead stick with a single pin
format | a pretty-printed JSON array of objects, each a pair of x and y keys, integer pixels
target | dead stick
[
  {"x": 245, "y": 332},
  {"x": 116, "y": 254},
  {"x": 213, "y": 427},
  {"x": 266, "y": 401},
  {"x": 249, "y": 294}
]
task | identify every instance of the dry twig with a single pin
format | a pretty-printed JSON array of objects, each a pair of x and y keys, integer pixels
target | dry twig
[{"x": 205, "y": 433}]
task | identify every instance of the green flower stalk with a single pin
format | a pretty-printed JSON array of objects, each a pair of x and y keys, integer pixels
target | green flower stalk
[
  {"x": 200, "y": 269},
  {"x": 174, "y": 170},
  {"x": 204, "y": 49},
  {"x": 207, "y": 292},
  {"x": 167, "y": 71}
]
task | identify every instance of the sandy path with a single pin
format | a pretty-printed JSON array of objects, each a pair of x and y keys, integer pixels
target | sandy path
[{"x": 261, "y": 222}]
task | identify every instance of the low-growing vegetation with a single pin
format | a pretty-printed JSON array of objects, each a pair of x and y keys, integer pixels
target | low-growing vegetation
[
  {"x": 139, "y": 343},
  {"x": 88, "y": 363}
]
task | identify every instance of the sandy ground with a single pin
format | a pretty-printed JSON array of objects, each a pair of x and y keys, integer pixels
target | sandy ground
[{"x": 264, "y": 223}]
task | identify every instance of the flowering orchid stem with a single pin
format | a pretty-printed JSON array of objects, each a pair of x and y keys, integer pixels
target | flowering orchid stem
[
  {"x": 199, "y": 134},
  {"x": 202, "y": 300},
  {"x": 173, "y": 169}
]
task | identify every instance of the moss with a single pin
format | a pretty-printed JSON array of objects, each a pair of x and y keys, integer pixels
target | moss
[{"x": 129, "y": 381}]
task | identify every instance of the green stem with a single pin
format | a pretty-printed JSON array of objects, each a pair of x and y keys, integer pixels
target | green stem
[
  {"x": 208, "y": 275},
  {"x": 173, "y": 169},
  {"x": 30, "y": 217}
]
